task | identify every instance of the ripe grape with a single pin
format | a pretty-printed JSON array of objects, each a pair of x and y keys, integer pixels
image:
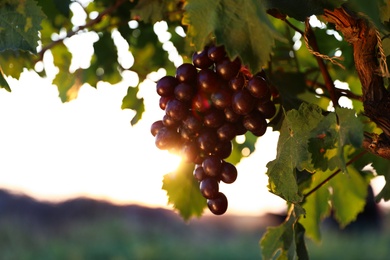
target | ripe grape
[
  {"x": 208, "y": 103},
  {"x": 166, "y": 85},
  {"x": 184, "y": 92},
  {"x": 228, "y": 172},
  {"x": 243, "y": 102},
  {"x": 186, "y": 73},
  {"x": 209, "y": 187},
  {"x": 176, "y": 109},
  {"x": 216, "y": 53},
  {"x": 199, "y": 173},
  {"x": 258, "y": 88},
  {"x": 219, "y": 204},
  {"x": 227, "y": 69},
  {"x": 166, "y": 138},
  {"x": 267, "y": 108},
  {"x": 201, "y": 59},
  {"x": 212, "y": 166},
  {"x": 221, "y": 98},
  {"x": 207, "y": 140},
  {"x": 208, "y": 81},
  {"x": 214, "y": 118},
  {"x": 156, "y": 126}
]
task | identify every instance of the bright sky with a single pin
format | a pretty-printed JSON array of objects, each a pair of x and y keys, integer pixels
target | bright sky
[{"x": 55, "y": 150}]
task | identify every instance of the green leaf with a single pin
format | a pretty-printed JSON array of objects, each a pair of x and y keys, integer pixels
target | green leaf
[
  {"x": 241, "y": 26},
  {"x": 3, "y": 82},
  {"x": 292, "y": 151},
  {"x": 19, "y": 26},
  {"x": 349, "y": 195},
  {"x": 105, "y": 59},
  {"x": 316, "y": 206},
  {"x": 183, "y": 191},
  {"x": 285, "y": 241},
  {"x": 151, "y": 11},
  {"x": 131, "y": 101},
  {"x": 64, "y": 80},
  {"x": 332, "y": 135},
  {"x": 301, "y": 9}
]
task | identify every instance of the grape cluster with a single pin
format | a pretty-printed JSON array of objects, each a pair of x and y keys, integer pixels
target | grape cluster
[{"x": 208, "y": 103}]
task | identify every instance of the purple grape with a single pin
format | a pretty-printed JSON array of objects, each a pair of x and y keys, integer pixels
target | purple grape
[
  {"x": 209, "y": 188},
  {"x": 166, "y": 85},
  {"x": 186, "y": 73},
  {"x": 218, "y": 205}
]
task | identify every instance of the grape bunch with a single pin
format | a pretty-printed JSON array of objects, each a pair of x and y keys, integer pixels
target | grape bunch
[{"x": 207, "y": 104}]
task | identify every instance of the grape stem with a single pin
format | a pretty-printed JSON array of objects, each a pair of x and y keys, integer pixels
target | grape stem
[{"x": 354, "y": 159}]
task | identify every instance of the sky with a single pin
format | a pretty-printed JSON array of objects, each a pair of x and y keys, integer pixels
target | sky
[{"x": 87, "y": 147}]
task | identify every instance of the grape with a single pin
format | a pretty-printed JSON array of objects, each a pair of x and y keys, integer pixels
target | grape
[
  {"x": 166, "y": 138},
  {"x": 156, "y": 126},
  {"x": 243, "y": 102},
  {"x": 258, "y": 88},
  {"x": 218, "y": 205},
  {"x": 227, "y": 69},
  {"x": 238, "y": 82},
  {"x": 267, "y": 108},
  {"x": 168, "y": 121},
  {"x": 212, "y": 166},
  {"x": 199, "y": 173},
  {"x": 186, "y": 73},
  {"x": 221, "y": 98},
  {"x": 209, "y": 187},
  {"x": 201, "y": 102},
  {"x": 226, "y": 132},
  {"x": 231, "y": 116},
  {"x": 185, "y": 134},
  {"x": 184, "y": 92},
  {"x": 192, "y": 124},
  {"x": 216, "y": 53},
  {"x": 214, "y": 118},
  {"x": 228, "y": 172},
  {"x": 223, "y": 149},
  {"x": 176, "y": 109},
  {"x": 256, "y": 123},
  {"x": 208, "y": 81},
  {"x": 207, "y": 140},
  {"x": 201, "y": 59},
  {"x": 189, "y": 151},
  {"x": 164, "y": 101},
  {"x": 166, "y": 85}
]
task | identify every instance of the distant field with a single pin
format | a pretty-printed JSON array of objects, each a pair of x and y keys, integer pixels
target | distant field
[{"x": 86, "y": 229}]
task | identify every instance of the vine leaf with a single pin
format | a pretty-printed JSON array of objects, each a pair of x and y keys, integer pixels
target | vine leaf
[
  {"x": 349, "y": 195},
  {"x": 152, "y": 11},
  {"x": 332, "y": 135},
  {"x": 183, "y": 191},
  {"x": 20, "y": 24},
  {"x": 3, "y": 82},
  {"x": 131, "y": 101},
  {"x": 316, "y": 206},
  {"x": 241, "y": 26},
  {"x": 301, "y": 9},
  {"x": 292, "y": 151},
  {"x": 285, "y": 240}
]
